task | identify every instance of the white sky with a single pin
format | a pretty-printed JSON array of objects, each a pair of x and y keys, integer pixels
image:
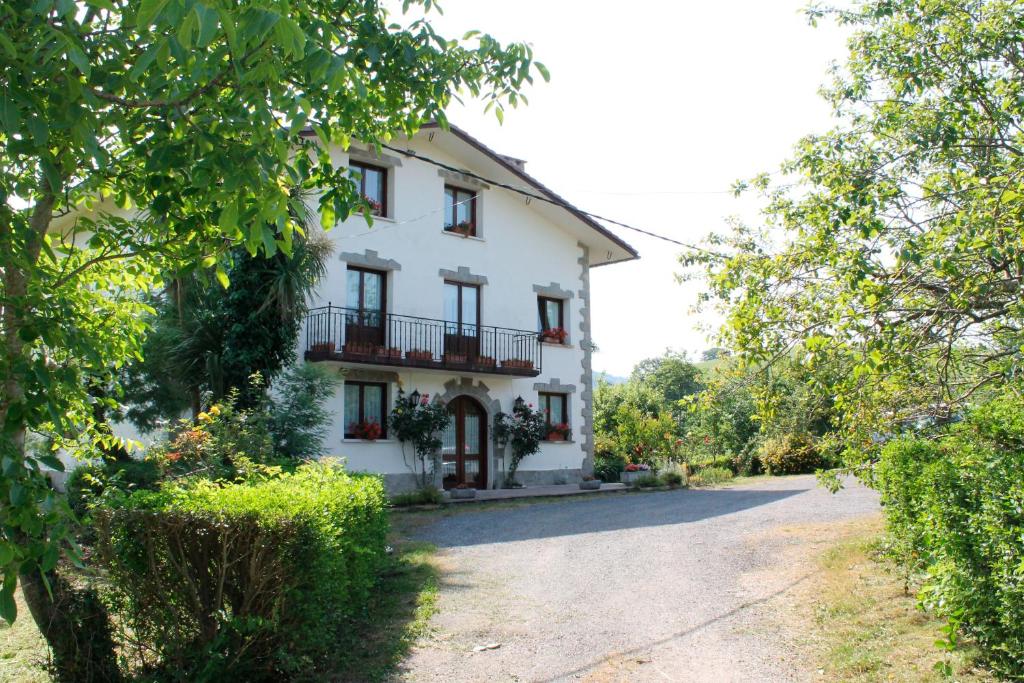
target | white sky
[{"x": 650, "y": 102}]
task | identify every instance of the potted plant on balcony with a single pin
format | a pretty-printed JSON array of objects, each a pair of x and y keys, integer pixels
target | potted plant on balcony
[
  {"x": 559, "y": 432},
  {"x": 326, "y": 347},
  {"x": 367, "y": 430},
  {"x": 419, "y": 355},
  {"x": 486, "y": 361},
  {"x": 358, "y": 348},
  {"x": 452, "y": 358},
  {"x": 554, "y": 335},
  {"x": 517, "y": 364},
  {"x": 463, "y": 491},
  {"x": 389, "y": 353},
  {"x": 590, "y": 483}
]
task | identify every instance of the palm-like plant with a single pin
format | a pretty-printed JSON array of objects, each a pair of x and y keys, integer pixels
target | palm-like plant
[{"x": 206, "y": 338}]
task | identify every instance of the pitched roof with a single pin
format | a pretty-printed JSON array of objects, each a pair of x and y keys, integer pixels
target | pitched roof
[{"x": 516, "y": 168}]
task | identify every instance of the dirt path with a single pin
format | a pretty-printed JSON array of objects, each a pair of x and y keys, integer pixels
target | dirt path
[{"x": 670, "y": 586}]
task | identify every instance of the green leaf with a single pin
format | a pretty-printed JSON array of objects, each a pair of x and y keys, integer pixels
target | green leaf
[
  {"x": 148, "y": 9},
  {"x": 222, "y": 277},
  {"x": 543, "y": 71},
  {"x": 208, "y": 24},
  {"x": 79, "y": 59},
  {"x": 8, "y": 607}
]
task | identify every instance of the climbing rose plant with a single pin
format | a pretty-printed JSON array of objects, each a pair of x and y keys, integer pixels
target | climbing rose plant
[
  {"x": 416, "y": 420},
  {"x": 524, "y": 430}
]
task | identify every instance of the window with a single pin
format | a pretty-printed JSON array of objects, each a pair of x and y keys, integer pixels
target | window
[
  {"x": 556, "y": 410},
  {"x": 461, "y": 308},
  {"x": 459, "y": 210},
  {"x": 365, "y": 289},
  {"x": 364, "y": 405},
  {"x": 549, "y": 314},
  {"x": 373, "y": 186}
]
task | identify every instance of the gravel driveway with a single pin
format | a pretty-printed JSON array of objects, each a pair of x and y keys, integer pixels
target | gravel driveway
[{"x": 658, "y": 586}]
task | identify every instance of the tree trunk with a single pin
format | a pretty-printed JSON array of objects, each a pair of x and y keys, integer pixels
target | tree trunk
[{"x": 76, "y": 627}]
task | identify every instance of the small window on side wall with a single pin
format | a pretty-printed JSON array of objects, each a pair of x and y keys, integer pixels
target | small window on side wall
[
  {"x": 372, "y": 182},
  {"x": 365, "y": 403},
  {"x": 551, "y": 320},
  {"x": 459, "y": 211},
  {"x": 556, "y": 414}
]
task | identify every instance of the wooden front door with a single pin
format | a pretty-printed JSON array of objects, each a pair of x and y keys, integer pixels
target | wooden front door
[{"x": 464, "y": 453}]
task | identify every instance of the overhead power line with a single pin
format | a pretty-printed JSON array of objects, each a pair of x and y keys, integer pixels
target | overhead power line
[{"x": 532, "y": 195}]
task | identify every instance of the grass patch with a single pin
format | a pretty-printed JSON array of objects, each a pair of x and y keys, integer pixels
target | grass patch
[
  {"x": 399, "y": 614},
  {"x": 23, "y": 654},
  {"x": 867, "y": 628}
]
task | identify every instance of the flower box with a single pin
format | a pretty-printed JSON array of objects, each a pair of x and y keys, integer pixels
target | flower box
[
  {"x": 486, "y": 362},
  {"x": 359, "y": 349},
  {"x": 554, "y": 335},
  {"x": 559, "y": 432},
  {"x": 455, "y": 358},
  {"x": 389, "y": 353},
  {"x": 517, "y": 364},
  {"x": 462, "y": 494},
  {"x": 419, "y": 355},
  {"x": 322, "y": 347},
  {"x": 631, "y": 477}
]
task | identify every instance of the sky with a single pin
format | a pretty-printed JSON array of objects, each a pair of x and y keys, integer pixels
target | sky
[{"x": 654, "y": 109}]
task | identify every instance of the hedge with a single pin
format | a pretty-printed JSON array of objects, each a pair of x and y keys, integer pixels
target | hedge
[
  {"x": 250, "y": 581},
  {"x": 955, "y": 512}
]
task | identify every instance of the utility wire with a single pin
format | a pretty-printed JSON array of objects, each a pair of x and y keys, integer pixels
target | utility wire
[{"x": 550, "y": 200}]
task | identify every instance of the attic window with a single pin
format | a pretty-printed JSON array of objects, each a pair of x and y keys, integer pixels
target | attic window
[{"x": 459, "y": 211}]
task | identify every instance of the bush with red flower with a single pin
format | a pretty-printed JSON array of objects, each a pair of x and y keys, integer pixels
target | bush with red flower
[
  {"x": 367, "y": 430},
  {"x": 417, "y": 420},
  {"x": 524, "y": 430}
]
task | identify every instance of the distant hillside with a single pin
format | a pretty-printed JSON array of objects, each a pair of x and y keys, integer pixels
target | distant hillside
[{"x": 611, "y": 379}]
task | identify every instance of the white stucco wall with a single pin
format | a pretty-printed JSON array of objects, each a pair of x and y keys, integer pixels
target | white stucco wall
[{"x": 517, "y": 249}]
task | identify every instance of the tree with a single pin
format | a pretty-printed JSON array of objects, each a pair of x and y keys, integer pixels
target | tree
[
  {"x": 212, "y": 339},
  {"x": 144, "y": 141},
  {"x": 894, "y": 250},
  {"x": 671, "y": 375}
]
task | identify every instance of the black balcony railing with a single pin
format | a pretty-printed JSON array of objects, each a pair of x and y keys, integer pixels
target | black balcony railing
[{"x": 363, "y": 336}]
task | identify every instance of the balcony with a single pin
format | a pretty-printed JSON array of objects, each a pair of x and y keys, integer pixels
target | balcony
[{"x": 376, "y": 338}]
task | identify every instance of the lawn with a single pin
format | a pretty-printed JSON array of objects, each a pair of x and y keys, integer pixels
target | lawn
[{"x": 862, "y": 626}]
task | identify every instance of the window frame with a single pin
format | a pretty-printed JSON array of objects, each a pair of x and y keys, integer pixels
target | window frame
[
  {"x": 460, "y": 323},
  {"x": 542, "y": 312},
  {"x": 363, "y": 271},
  {"x": 456, "y": 190},
  {"x": 362, "y": 417},
  {"x": 383, "y": 170},
  {"x": 544, "y": 399}
]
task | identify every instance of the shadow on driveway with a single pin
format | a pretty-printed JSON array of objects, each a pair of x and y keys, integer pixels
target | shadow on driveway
[{"x": 607, "y": 513}]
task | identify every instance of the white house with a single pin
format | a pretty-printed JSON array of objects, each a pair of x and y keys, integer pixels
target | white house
[{"x": 446, "y": 295}]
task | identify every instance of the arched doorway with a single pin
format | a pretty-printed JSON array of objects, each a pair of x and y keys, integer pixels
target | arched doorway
[{"x": 464, "y": 453}]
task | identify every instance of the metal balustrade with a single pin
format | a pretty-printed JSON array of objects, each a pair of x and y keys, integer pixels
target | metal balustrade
[{"x": 377, "y": 338}]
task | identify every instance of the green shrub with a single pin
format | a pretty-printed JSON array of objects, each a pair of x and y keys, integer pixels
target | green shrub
[
  {"x": 714, "y": 474},
  {"x": 794, "y": 453},
  {"x": 608, "y": 465},
  {"x": 648, "y": 481},
  {"x": 954, "y": 511},
  {"x": 428, "y": 495},
  {"x": 250, "y": 581},
  {"x": 673, "y": 477},
  {"x": 87, "y": 482}
]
